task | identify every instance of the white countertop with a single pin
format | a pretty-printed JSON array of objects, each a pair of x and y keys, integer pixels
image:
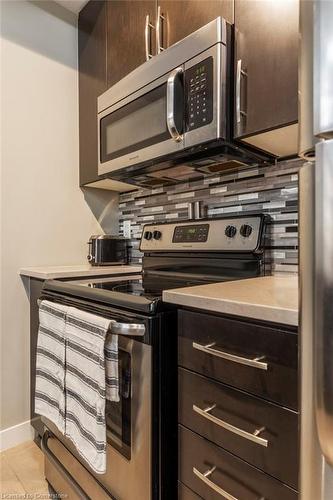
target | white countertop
[
  {"x": 54, "y": 272},
  {"x": 269, "y": 298}
]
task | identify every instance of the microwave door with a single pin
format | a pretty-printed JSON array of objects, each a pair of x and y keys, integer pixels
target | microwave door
[{"x": 145, "y": 126}]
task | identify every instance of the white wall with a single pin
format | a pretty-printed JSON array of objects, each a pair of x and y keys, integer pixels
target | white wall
[{"x": 45, "y": 218}]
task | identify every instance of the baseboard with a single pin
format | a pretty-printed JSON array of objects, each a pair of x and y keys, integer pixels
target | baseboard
[{"x": 16, "y": 435}]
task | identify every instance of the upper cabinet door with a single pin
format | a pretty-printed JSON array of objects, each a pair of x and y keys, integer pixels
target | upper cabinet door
[
  {"x": 92, "y": 83},
  {"x": 129, "y": 39},
  {"x": 180, "y": 18},
  {"x": 266, "y": 60}
]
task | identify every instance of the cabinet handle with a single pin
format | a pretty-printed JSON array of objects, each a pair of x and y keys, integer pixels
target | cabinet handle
[
  {"x": 239, "y": 74},
  {"x": 148, "y": 27},
  {"x": 172, "y": 127},
  {"x": 204, "y": 476},
  {"x": 159, "y": 31},
  {"x": 255, "y": 362},
  {"x": 229, "y": 427}
]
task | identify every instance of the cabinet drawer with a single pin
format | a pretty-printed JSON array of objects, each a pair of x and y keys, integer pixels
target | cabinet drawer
[
  {"x": 233, "y": 420},
  {"x": 185, "y": 493},
  {"x": 258, "y": 358},
  {"x": 241, "y": 481}
]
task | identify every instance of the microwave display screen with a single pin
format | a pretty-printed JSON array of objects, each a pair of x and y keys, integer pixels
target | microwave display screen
[
  {"x": 191, "y": 234},
  {"x": 134, "y": 126}
]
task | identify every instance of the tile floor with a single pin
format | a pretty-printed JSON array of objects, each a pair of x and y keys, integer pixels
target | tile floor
[{"x": 22, "y": 473}]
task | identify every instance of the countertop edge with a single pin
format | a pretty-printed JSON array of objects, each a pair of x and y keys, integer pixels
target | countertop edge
[
  {"x": 107, "y": 271},
  {"x": 262, "y": 312}
]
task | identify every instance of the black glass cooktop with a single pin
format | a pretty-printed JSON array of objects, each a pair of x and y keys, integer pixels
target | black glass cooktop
[{"x": 131, "y": 287}]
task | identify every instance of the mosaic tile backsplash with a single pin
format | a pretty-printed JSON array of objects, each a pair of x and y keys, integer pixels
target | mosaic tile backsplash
[{"x": 272, "y": 190}]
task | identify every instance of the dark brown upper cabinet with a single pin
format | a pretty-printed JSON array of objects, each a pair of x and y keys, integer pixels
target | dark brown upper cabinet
[
  {"x": 139, "y": 29},
  {"x": 92, "y": 83},
  {"x": 130, "y": 36},
  {"x": 266, "y": 69},
  {"x": 179, "y": 18}
]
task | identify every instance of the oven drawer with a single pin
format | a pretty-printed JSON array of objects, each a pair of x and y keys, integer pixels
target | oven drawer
[
  {"x": 66, "y": 474},
  {"x": 229, "y": 474},
  {"x": 259, "y": 358},
  {"x": 232, "y": 422},
  {"x": 185, "y": 493}
]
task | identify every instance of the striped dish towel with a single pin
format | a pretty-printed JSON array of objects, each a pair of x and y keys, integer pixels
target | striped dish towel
[
  {"x": 50, "y": 363},
  {"x": 91, "y": 361}
]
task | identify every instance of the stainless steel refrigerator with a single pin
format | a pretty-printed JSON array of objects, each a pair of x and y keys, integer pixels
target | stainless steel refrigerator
[{"x": 316, "y": 249}]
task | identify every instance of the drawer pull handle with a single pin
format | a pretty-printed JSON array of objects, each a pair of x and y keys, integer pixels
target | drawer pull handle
[
  {"x": 205, "y": 478},
  {"x": 255, "y": 362},
  {"x": 229, "y": 427}
]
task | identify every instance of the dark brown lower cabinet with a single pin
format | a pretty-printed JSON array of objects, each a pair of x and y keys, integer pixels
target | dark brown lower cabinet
[
  {"x": 273, "y": 377},
  {"x": 35, "y": 291},
  {"x": 213, "y": 473},
  {"x": 260, "y": 432},
  {"x": 237, "y": 408}
]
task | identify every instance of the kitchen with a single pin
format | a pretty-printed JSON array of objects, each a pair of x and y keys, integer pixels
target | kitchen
[{"x": 191, "y": 138}]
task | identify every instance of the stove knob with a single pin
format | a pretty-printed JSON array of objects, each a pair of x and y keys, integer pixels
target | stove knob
[
  {"x": 148, "y": 235},
  {"x": 230, "y": 231},
  {"x": 157, "y": 235},
  {"x": 246, "y": 230}
]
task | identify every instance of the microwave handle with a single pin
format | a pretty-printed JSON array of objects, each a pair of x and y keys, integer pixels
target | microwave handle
[{"x": 171, "y": 94}]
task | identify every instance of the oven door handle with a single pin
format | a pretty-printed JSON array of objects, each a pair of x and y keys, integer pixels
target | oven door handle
[
  {"x": 59, "y": 466},
  {"x": 174, "y": 101},
  {"x": 128, "y": 329},
  {"x": 119, "y": 328}
]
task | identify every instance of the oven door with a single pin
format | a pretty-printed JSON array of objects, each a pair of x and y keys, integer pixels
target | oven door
[
  {"x": 129, "y": 433},
  {"x": 144, "y": 126}
]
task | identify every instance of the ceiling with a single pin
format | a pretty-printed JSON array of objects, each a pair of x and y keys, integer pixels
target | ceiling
[{"x": 72, "y": 5}]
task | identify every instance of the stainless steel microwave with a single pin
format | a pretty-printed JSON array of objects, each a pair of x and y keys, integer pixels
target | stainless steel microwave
[{"x": 158, "y": 124}]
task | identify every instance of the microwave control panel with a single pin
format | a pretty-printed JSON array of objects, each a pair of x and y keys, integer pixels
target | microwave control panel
[{"x": 199, "y": 92}]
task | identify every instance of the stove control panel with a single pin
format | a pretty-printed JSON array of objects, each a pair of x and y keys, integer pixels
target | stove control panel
[{"x": 237, "y": 234}]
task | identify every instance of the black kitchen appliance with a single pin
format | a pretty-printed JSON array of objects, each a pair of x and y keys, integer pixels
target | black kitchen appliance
[
  {"x": 107, "y": 250},
  {"x": 142, "y": 427}
]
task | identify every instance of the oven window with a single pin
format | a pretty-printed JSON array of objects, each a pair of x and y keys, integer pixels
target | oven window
[
  {"x": 136, "y": 125},
  {"x": 118, "y": 415}
]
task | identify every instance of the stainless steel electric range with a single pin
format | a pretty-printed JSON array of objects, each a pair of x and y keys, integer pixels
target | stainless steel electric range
[{"x": 142, "y": 427}]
